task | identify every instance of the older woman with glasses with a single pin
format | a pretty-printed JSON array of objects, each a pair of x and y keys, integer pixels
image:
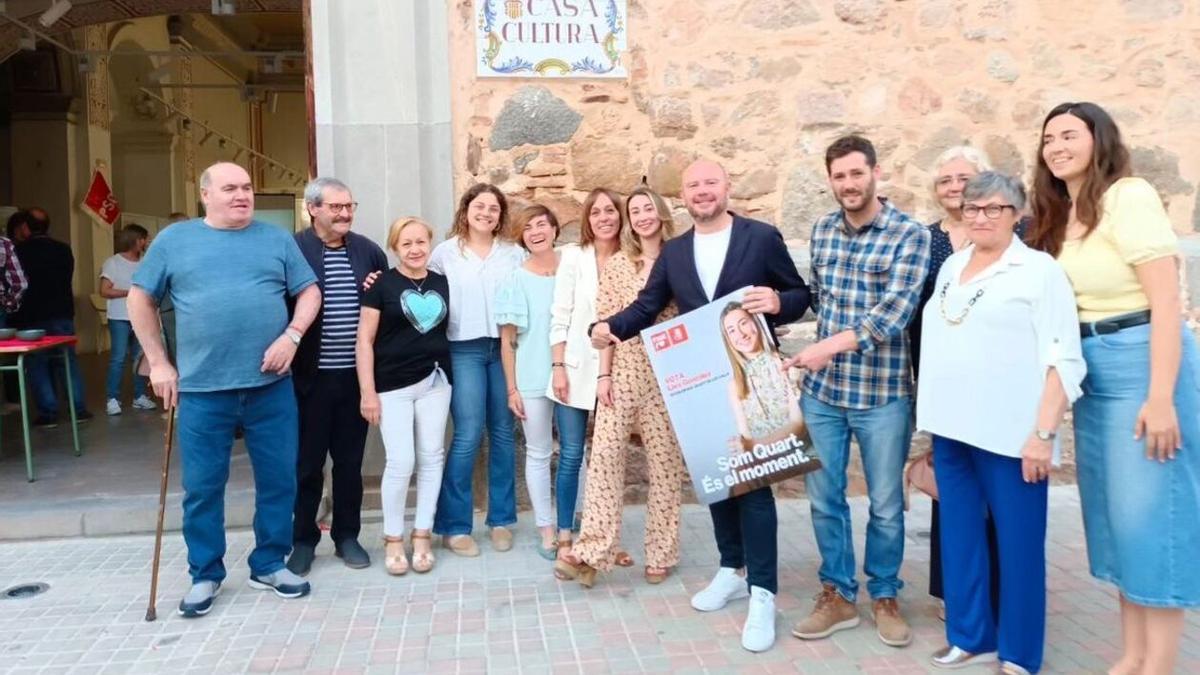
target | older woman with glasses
[{"x": 1002, "y": 363}]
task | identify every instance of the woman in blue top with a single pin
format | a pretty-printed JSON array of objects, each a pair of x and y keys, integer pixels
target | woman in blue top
[{"x": 523, "y": 313}]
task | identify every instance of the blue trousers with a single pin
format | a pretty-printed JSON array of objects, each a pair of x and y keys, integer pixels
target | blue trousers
[
  {"x": 746, "y": 531},
  {"x": 479, "y": 400},
  {"x": 206, "y": 424},
  {"x": 124, "y": 345},
  {"x": 883, "y": 434},
  {"x": 43, "y": 370},
  {"x": 971, "y": 482}
]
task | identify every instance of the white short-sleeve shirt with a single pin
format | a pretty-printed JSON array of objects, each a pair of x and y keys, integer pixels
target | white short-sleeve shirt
[
  {"x": 473, "y": 283},
  {"x": 119, "y": 270}
]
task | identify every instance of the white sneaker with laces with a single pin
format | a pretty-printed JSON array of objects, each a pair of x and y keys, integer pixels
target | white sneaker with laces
[
  {"x": 726, "y": 585},
  {"x": 758, "y": 633},
  {"x": 144, "y": 402},
  {"x": 113, "y": 407}
]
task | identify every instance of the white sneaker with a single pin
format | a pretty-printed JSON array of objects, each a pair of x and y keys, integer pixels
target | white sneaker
[
  {"x": 113, "y": 407},
  {"x": 758, "y": 633},
  {"x": 726, "y": 585},
  {"x": 144, "y": 402}
]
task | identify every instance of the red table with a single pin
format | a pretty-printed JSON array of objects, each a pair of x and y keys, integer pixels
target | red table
[{"x": 23, "y": 348}]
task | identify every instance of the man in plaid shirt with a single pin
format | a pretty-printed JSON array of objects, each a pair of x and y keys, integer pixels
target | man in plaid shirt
[
  {"x": 14, "y": 281},
  {"x": 868, "y": 263}
]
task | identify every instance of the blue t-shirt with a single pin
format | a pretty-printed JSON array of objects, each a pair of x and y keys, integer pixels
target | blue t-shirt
[{"x": 230, "y": 290}]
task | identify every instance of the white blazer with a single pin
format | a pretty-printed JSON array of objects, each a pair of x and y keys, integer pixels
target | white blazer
[{"x": 575, "y": 286}]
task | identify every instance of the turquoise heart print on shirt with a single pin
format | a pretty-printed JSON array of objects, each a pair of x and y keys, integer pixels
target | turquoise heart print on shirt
[{"x": 424, "y": 310}]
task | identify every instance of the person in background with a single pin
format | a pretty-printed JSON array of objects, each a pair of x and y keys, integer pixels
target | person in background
[
  {"x": 18, "y": 226},
  {"x": 12, "y": 276},
  {"x": 994, "y": 421},
  {"x": 116, "y": 277},
  {"x": 476, "y": 258},
  {"x": 1137, "y": 431},
  {"x": 630, "y": 399},
  {"x": 523, "y": 312},
  {"x": 327, "y": 394},
  {"x": 402, "y": 355},
  {"x": 49, "y": 304}
]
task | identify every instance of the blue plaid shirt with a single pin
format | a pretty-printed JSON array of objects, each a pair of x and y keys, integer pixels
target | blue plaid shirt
[{"x": 868, "y": 281}]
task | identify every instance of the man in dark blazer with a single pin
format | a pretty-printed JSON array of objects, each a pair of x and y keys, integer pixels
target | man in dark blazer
[
  {"x": 722, "y": 253},
  {"x": 325, "y": 377}
]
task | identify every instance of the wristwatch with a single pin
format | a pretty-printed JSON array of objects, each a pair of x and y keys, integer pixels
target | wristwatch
[
  {"x": 293, "y": 336},
  {"x": 1044, "y": 435}
]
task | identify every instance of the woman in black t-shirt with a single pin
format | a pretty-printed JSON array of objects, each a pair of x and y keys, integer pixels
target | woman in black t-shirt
[{"x": 403, "y": 360}]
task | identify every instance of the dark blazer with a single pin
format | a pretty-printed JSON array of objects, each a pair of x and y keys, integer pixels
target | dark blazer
[
  {"x": 757, "y": 256},
  {"x": 48, "y": 265},
  {"x": 365, "y": 257}
]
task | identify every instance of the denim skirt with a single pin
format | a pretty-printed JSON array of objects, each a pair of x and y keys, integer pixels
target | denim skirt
[{"x": 1141, "y": 517}]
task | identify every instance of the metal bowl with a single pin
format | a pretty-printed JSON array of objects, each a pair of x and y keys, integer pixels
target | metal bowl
[
  {"x": 31, "y": 334},
  {"x": 8, "y": 333}
]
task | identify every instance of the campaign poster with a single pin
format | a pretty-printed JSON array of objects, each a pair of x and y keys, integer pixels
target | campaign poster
[{"x": 735, "y": 411}]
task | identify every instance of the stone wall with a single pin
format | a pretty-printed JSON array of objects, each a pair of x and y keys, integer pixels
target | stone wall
[{"x": 765, "y": 85}]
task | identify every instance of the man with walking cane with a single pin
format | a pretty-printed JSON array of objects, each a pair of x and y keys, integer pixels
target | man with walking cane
[{"x": 229, "y": 277}]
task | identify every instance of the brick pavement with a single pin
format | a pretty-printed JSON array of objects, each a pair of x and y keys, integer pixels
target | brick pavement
[{"x": 497, "y": 613}]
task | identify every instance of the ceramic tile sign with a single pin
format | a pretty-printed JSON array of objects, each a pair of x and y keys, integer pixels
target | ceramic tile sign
[
  {"x": 550, "y": 38},
  {"x": 734, "y": 409}
]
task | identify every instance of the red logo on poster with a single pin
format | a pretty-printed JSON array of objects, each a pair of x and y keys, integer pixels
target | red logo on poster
[
  {"x": 100, "y": 201},
  {"x": 669, "y": 338}
]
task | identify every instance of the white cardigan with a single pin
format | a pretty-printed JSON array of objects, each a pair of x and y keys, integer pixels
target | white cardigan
[{"x": 575, "y": 286}]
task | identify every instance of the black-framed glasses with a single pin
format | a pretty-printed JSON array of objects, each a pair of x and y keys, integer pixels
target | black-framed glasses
[
  {"x": 992, "y": 211},
  {"x": 338, "y": 208}
]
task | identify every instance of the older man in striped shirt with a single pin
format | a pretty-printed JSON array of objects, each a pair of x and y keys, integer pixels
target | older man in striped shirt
[
  {"x": 325, "y": 378},
  {"x": 868, "y": 264}
]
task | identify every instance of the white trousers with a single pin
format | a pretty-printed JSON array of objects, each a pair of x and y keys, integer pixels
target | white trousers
[
  {"x": 539, "y": 448},
  {"x": 413, "y": 425}
]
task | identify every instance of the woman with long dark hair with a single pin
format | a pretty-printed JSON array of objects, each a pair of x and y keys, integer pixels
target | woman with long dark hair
[
  {"x": 476, "y": 258},
  {"x": 1137, "y": 432}
]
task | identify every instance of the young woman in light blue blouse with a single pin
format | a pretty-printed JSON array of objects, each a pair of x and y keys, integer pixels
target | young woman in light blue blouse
[{"x": 523, "y": 313}]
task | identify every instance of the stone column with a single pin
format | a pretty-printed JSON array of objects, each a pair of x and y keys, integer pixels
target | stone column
[
  {"x": 382, "y": 106},
  {"x": 382, "y": 90}
]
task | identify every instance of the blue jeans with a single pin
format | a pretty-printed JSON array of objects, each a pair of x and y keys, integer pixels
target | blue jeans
[
  {"x": 1139, "y": 515},
  {"x": 206, "y": 424},
  {"x": 44, "y": 369},
  {"x": 572, "y": 437},
  {"x": 124, "y": 343},
  {"x": 479, "y": 399},
  {"x": 883, "y": 436},
  {"x": 972, "y": 483}
]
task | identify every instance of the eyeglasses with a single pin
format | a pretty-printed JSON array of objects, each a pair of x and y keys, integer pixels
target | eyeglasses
[
  {"x": 992, "y": 211},
  {"x": 338, "y": 208}
]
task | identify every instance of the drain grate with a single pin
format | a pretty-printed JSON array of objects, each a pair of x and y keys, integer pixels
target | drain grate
[{"x": 22, "y": 591}]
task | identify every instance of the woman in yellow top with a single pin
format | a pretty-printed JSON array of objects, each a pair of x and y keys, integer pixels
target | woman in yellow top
[{"x": 1137, "y": 431}]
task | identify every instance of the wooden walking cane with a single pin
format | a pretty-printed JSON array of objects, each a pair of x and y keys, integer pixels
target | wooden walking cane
[{"x": 151, "y": 614}]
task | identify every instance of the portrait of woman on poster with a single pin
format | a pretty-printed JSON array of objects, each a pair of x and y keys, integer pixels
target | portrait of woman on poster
[{"x": 763, "y": 398}]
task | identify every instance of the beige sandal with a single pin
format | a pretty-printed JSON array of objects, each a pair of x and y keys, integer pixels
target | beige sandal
[
  {"x": 422, "y": 562},
  {"x": 394, "y": 558}
]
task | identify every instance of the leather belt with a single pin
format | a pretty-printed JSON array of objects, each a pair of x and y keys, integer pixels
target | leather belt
[{"x": 1113, "y": 324}]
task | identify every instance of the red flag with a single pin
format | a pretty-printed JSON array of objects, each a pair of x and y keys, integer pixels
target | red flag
[{"x": 100, "y": 201}]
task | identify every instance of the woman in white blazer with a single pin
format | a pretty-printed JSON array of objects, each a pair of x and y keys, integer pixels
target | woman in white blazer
[{"x": 576, "y": 365}]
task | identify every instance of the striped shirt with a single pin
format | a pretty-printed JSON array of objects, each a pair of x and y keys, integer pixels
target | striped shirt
[
  {"x": 869, "y": 281},
  {"x": 339, "y": 312}
]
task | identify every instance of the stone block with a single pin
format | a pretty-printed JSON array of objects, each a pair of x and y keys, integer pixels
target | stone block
[
  {"x": 861, "y": 12},
  {"x": 1161, "y": 168},
  {"x": 533, "y": 116},
  {"x": 597, "y": 163},
  {"x": 779, "y": 14},
  {"x": 665, "y": 174},
  {"x": 806, "y": 197},
  {"x": 671, "y": 117},
  {"x": 754, "y": 184},
  {"x": 1002, "y": 66}
]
